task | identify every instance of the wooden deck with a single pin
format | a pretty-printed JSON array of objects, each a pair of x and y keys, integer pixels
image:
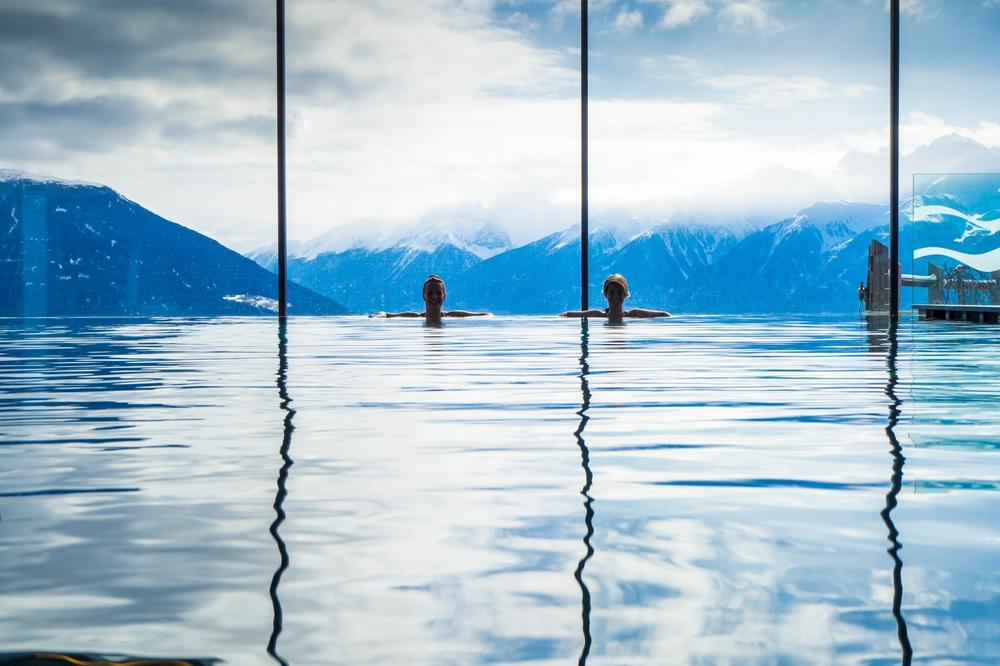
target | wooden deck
[{"x": 978, "y": 314}]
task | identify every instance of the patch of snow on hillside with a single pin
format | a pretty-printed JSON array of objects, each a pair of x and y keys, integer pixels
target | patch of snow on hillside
[
  {"x": 261, "y": 302},
  {"x": 564, "y": 238}
]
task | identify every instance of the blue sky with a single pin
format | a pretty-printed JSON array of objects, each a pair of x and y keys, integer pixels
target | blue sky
[{"x": 401, "y": 106}]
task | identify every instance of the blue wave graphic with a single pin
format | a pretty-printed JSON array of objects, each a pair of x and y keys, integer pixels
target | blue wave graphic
[{"x": 986, "y": 262}]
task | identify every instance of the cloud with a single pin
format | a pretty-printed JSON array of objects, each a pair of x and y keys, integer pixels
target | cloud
[
  {"x": 563, "y": 9},
  {"x": 669, "y": 65},
  {"x": 628, "y": 21},
  {"x": 921, "y": 129},
  {"x": 657, "y": 155},
  {"x": 683, "y": 12},
  {"x": 173, "y": 104},
  {"x": 920, "y": 10},
  {"x": 777, "y": 91},
  {"x": 749, "y": 16},
  {"x": 918, "y": 129}
]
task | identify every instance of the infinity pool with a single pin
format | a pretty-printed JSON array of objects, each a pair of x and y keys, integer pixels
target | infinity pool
[{"x": 697, "y": 490}]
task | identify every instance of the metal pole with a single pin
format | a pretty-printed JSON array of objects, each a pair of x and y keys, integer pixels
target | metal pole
[
  {"x": 584, "y": 223},
  {"x": 282, "y": 245},
  {"x": 894, "y": 160}
]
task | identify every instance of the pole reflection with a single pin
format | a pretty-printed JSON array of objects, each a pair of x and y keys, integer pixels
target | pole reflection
[
  {"x": 585, "y": 491},
  {"x": 890, "y": 499},
  {"x": 279, "y": 497}
]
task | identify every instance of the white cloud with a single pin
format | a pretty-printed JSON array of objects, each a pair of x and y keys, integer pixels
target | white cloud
[
  {"x": 749, "y": 16},
  {"x": 683, "y": 12},
  {"x": 670, "y": 64},
  {"x": 919, "y": 129},
  {"x": 628, "y": 21},
  {"x": 394, "y": 107},
  {"x": 776, "y": 91},
  {"x": 920, "y": 10},
  {"x": 988, "y": 133},
  {"x": 656, "y": 156},
  {"x": 563, "y": 9}
]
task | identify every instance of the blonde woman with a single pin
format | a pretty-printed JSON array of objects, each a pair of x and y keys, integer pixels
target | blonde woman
[{"x": 615, "y": 292}]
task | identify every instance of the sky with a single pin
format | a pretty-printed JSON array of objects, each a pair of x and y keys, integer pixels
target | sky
[{"x": 397, "y": 108}]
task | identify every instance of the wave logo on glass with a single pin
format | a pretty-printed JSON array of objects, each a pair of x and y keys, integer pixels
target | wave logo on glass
[{"x": 956, "y": 237}]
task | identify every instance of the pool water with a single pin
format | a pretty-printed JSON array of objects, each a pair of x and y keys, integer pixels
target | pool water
[{"x": 697, "y": 490}]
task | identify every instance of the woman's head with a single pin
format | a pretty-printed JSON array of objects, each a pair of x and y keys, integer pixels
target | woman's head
[
  {"x": 433, "y": 291},
  {"x": 615, "y": 288}
]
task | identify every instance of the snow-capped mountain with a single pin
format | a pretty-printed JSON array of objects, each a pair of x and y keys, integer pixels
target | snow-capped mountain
[
  {"x": 469, "y": 227},
  {"x": 808, "y": 262},
  {"x": 74, "y": 248},
  {"x": 81, "y": 249},
  {"x": 10, "y": 175},
  {"x": 836, "y": 221}
]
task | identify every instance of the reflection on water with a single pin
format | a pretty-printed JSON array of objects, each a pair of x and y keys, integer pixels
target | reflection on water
[
  {"x": 279, "y": 498},
  {"x": 896, "y": 484},
  {"x": 588, "y": 501},
  {"x": 434, "y": 515}
]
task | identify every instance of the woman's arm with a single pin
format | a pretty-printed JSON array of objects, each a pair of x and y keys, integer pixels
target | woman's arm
[
  {"x": 465, "y": 313},
  {"x": 389, "y": 315},
  {"x": 639, "y": 313},
  {"x": 584, "y": 313}
]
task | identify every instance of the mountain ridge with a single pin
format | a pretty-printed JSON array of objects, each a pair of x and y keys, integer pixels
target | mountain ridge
[{"x": 84, "y": 249}]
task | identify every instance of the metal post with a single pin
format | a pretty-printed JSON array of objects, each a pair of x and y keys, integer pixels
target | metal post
[
  {"x": 584, "y": 223},
  {"x": 894, "y": 160},
  {"x": 282, "y": 245}
]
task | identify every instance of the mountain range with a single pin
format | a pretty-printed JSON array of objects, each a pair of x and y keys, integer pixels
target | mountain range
[
  {"x": 810, "y": 262},
  {"x": 75, "y": 249},
  {"x": 82, "y": 249}
]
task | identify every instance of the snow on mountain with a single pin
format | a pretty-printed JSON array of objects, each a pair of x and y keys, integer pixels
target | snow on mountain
[
  {"x": 621, "y": 223},
  {"x": 677, "y": 236},
  {"x": 9, "y": 175},
  {"x": 368, "y": 233},
  {"x": 470, "y": 227},
  {"x": 611, "y": 229},
  {"x": 836, "y": 221}
]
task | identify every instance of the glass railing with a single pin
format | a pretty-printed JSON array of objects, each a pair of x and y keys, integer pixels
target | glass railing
[{"x": 956, "y": 244}]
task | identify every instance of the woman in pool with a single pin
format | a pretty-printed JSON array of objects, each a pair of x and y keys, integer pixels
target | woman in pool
[
  {"x": 616, "y": 291},
  {"x": 433, "y": 294}
]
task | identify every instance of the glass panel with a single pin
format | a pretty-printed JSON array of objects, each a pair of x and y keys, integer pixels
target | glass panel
[
  {"x": 948, "y": 122},
  {"x": 956, "y": 247},
  {"x": 139, "y": 158},
  {"x": 434, "y": 137},
  {"x": 738, "y": 152}
]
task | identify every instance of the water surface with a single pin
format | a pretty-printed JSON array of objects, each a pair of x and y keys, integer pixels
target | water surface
[{"x": 511, "y": 490}]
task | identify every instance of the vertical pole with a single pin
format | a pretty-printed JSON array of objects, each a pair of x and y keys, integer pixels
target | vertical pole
[
  {"x": 282, "y": 244},
  {"x": 584, "y": 223},
  {"x": 894, "y": 160}
]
